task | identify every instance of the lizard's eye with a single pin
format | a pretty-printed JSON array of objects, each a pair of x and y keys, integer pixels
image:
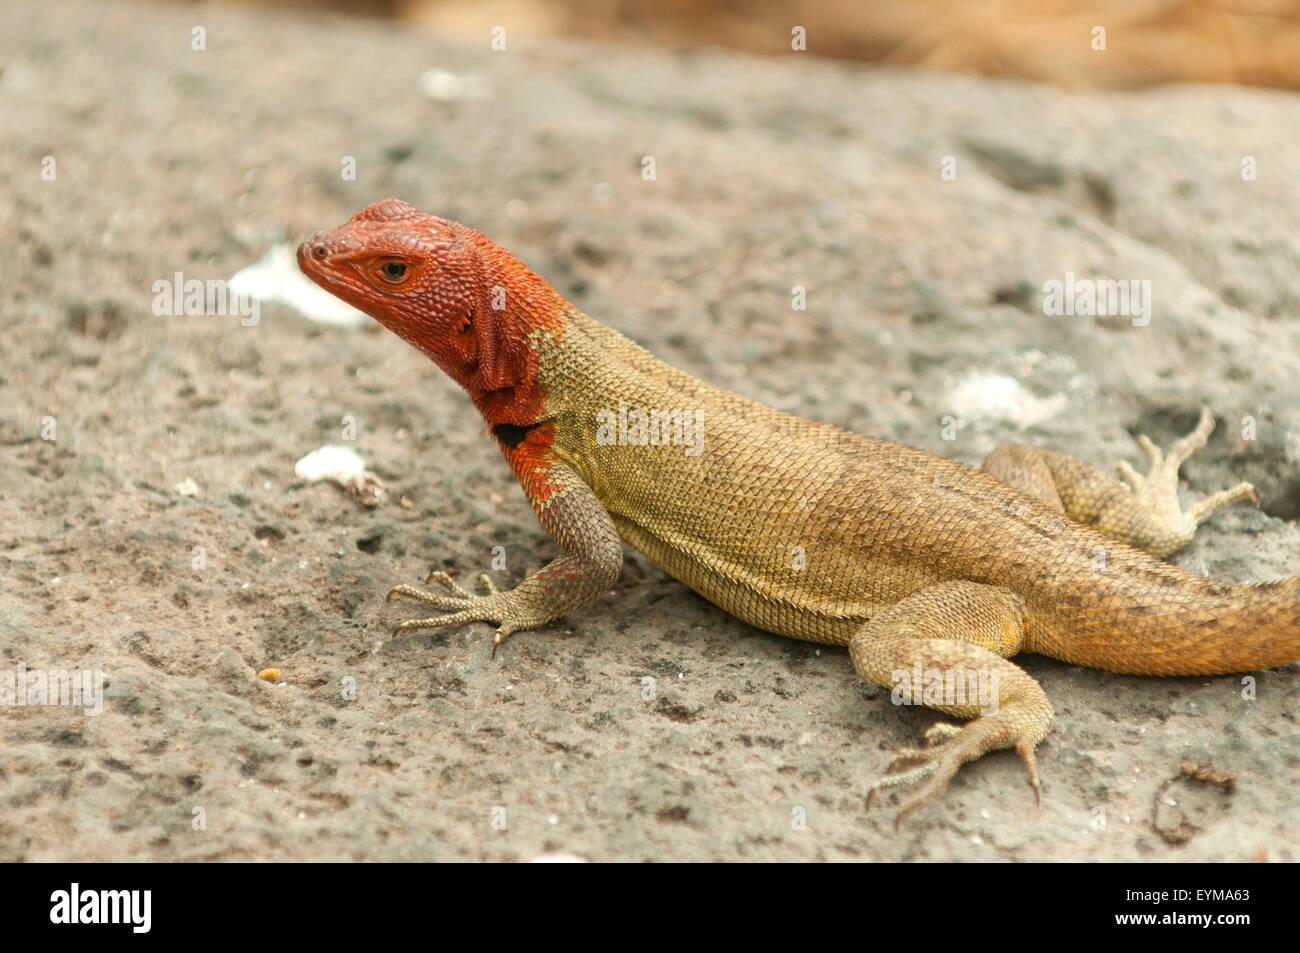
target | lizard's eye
[{"x": 388, "y": 274}]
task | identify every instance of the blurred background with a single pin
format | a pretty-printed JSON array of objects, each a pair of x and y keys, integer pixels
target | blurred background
[{"x": 1249, "y": 42}]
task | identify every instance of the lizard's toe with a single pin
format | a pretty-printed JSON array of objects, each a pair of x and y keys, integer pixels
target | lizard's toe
[
  {"x": 1184, "y": 447},
  {"x": 445, "y": 580},
  {"x": 1167, "y": 527},
  {"x": 462, "y": 605},
  {"x": 951, "y": 747},
  {"x": 932, "y": 774},
  {"x": 435, "y": 599}
]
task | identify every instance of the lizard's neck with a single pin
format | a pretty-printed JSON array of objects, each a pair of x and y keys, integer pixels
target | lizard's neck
[
  {"x": 498, "y": 358},
  {"x": 570, "y": 377},
  {"x": 602, "y": 390},
  {"x": 590, "y": 366},
  {"x": 542, "y": 363},
  {"x": 527, "y": 356}
]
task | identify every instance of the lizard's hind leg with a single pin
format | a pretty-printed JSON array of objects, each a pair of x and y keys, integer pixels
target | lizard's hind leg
[
  {"x": 1144, "y": 514},
  {"x": 946, "y": 647}
]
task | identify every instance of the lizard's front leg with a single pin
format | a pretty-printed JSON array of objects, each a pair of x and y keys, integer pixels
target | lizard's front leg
[
  {"x": 592, "y": 558},
  {"x": 1145, "y": 513}
]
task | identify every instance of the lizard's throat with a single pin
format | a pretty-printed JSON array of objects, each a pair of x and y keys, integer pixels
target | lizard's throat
[{"x": 495, "y": 363}]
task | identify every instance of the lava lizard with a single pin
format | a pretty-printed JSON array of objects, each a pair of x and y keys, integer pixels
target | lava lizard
[{"x": 923, "y": 567}]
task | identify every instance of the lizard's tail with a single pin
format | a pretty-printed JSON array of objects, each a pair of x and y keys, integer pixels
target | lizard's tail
[{"x": 1201, "y": 627}]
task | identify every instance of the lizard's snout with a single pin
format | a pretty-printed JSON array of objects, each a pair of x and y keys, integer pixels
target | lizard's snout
[{"x": 317, "y": 248}]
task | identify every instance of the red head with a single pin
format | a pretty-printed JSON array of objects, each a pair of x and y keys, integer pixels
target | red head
[{"x": 450, "y": 291}]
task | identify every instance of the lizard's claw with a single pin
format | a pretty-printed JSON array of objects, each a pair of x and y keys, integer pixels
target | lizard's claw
[
  {"x": 463, "y": 605},
  {"x": 1157, "y": 492},
  {"x": 951, "y": 746}
]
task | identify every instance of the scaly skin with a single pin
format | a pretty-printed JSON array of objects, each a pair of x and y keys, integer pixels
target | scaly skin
[{"x": 801, "y": 528}]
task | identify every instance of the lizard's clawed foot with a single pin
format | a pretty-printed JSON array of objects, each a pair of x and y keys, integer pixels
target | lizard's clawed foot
[
  {"x": 1157, "y": 492},
  {"x": 463, "y": 605},
  {"x": 951, "y": 746}
]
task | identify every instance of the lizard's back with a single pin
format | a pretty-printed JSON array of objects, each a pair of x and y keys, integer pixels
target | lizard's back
[{"x": 808, "y": 530}]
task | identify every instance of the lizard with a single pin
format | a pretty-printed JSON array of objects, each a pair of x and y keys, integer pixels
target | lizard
[{"x": 919, "y": 565}]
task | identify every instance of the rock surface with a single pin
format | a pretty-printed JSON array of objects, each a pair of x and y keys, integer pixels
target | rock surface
[{"x": 175, "y": 438}]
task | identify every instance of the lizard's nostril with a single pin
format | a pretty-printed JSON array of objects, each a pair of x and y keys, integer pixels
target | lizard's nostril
[{"x": 319, "y": 250}]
